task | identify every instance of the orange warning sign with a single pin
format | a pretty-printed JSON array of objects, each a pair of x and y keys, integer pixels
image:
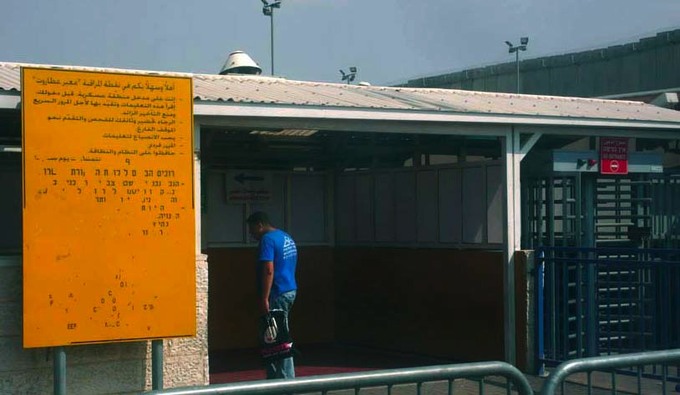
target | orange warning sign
[{"x": 108, "y": 218}]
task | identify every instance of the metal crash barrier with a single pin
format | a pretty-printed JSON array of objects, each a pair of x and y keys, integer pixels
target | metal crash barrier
[
  {"x": 608, "y": 363},
  {"x": 382, "y": 378}
]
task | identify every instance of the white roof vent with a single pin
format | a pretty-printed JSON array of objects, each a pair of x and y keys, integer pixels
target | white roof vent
[{"x": 240, "y": 62}]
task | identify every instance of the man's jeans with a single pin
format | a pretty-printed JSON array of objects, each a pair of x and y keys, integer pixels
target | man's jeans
[{"x": 283, "y": 368}]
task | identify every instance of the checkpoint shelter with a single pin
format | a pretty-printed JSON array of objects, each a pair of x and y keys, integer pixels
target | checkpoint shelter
[{"x": 407, "y": 206}]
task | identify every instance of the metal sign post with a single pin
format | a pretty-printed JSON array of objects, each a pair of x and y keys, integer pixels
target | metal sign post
[{"x": 59, "y": 371}]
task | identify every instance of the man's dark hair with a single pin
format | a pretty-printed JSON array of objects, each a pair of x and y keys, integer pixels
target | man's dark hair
[{"x": 258, "y": 217}]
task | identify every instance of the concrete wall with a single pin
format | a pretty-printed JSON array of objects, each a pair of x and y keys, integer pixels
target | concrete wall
[
  {"x": 94, "y": 369},
  {"x": 649, "y": 64}
]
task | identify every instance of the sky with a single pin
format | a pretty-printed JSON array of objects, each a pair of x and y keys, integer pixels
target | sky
[{"x": 389, "y": 41}]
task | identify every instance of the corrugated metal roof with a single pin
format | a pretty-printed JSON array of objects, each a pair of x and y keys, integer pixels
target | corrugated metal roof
[
  {"x": 10, "y": 77},
  {"x": 278, "y": 91}
]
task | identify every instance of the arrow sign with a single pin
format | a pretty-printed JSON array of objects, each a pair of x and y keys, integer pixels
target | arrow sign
[
  {"x": 247, "y": 186},
  {"x": 241, "y": 178}
]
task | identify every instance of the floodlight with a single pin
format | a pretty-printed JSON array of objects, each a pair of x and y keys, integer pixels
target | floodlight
[
  {"x": 524, "y": 40},
  {"x": 349, "y": 77}
]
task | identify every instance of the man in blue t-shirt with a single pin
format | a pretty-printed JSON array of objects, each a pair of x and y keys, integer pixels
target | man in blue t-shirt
[{"x": 277, "y": 259}]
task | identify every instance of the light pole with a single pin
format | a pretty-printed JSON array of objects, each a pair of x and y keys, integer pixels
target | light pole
[
  {"x": 522, "y": 47},
  {"x": 268, "y": 10}
]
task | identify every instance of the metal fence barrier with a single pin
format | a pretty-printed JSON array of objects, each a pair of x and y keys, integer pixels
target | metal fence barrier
[
  {"x": 382, "y": 378},
  {"x": 611, "y": 362}
]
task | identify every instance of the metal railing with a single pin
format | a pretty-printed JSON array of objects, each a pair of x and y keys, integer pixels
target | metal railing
[
  {"x": 606, "y": 301},
  {"x": 382, "y": 378},
  {"x": 609, "y": 363}
]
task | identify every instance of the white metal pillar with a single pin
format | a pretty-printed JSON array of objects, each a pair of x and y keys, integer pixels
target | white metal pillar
[
  {"x": 512, "y": 159},
  {"x": 514, "y": 153},
  {"x": 197, "y": 185}
]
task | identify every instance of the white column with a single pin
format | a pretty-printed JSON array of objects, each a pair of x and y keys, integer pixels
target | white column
[
  {"x": 512, "y": 235},
  {"x": 197, "y": 184}
]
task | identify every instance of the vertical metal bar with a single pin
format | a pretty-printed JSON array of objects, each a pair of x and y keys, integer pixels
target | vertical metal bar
[
  {"x": 272, "y": 36},
  {"x": 565, "y": 309},
  {"x": 481, "y": 386},
  {"x": 590, "y": 383},
  {"x": 419, "y": 389},
  {"x": 619, "y": 303},
  {"x": 389, "y": 389},
  {"x": 550, "y": 228},
  {"x": 59, "y": 371},
  {"x": 579, "y": 309},
  {"x": 610, "y": 280},
  {"x": 542, "y": 193},
  {"x": 666, "y": 299},
  {"x": 579, "y": 210},
  {"x": 157, "y": 364},
  {"x": 525, "y": 223},
  {"x": 534, "y": 215},
  {"x": 450, "y": 392},
  {"x": 564, "y": 282},
  {"x": 540, "y": 320},
  {"x": 614, "y": 382},
  {"x": 641, "y": 302},
  {"x": 578, "y": 239},
  {"x": 517, "y": 62},
  {"x": 551, "y": 210},
  {"x": 639, "y": 379},
  {"x": 653, "y": 281},
  {"x": 592, "y": 320},
  {"x": 617, "y": 206},
  {"x": 508, "y": 386},
  {"x": 664, "y": 378},
  {"x": 565, "y": 211},
  {"x": 676, "y": 313},
  {"x": 632, "y": 279}
]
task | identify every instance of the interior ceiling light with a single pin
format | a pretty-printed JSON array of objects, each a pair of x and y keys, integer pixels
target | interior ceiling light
[{"x": 286, "y": 133}]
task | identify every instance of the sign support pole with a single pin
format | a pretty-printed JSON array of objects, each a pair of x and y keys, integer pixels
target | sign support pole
[
  {"x": 157, "y": 364},
  {"x": 59, "y": 371}
]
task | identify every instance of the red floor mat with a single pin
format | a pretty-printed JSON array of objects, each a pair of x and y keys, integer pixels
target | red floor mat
[{"x": 313, "y": 360}]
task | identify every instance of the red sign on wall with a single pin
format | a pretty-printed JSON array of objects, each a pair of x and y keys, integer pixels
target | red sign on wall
[{"x": 613, "y": 155}]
